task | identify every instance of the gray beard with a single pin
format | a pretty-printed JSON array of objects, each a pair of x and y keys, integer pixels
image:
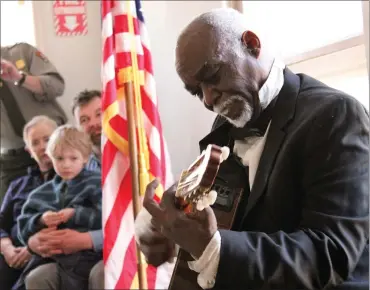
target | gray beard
[{"x": 243, "y": 118}]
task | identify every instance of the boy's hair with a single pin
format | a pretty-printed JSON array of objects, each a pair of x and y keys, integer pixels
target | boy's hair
[
  {"x": 35, "y": 121},
  {"x": 84, "y": 98},
  {"x": 71, "y": 137}
]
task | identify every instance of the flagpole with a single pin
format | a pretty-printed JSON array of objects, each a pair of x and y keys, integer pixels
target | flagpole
[
  {"x": 132, "y": 90},
  {"x": 134, "y": 175},
  {"x": 143, "y": 154}
]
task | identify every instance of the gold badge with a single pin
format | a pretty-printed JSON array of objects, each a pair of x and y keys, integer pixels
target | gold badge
[{"x": 20, "y": 64}]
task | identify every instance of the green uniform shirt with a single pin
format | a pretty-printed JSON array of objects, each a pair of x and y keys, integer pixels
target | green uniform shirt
[{"x": 30, "y": 60}]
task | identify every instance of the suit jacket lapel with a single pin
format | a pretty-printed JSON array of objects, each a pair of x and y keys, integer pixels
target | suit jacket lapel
[
  {"x": 283, "y": 113},
  {"x": 274, "y": 140}
]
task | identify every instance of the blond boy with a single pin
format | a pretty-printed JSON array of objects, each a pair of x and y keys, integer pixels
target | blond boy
[{"x": 71, "y": 200}]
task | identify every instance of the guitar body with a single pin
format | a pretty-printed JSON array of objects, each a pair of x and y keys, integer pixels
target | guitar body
[
  {"x": 183, "y": 278},
  {"x": 225, "y": 206}
]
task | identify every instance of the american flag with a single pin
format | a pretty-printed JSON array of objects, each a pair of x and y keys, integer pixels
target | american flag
[{"x": 119, "y": 59}]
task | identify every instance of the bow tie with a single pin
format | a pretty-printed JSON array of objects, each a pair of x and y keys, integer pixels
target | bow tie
[{"x": 255, "y": 128}]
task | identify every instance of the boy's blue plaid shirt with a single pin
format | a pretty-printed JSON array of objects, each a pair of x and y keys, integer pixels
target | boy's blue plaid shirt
[{"x": 82, "y": 193}]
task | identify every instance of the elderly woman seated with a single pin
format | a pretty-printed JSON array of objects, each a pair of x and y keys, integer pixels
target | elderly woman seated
[{"x": 14, "y": 256}]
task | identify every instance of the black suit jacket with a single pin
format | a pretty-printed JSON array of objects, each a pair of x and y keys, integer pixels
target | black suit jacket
[{"x": 305, "y": 224}]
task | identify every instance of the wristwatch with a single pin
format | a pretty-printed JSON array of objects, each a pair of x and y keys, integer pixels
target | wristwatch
[{"x": 22, "y": 79}]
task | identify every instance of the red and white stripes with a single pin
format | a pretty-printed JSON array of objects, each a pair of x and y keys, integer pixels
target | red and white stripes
[{"x": 118, "y": 220}]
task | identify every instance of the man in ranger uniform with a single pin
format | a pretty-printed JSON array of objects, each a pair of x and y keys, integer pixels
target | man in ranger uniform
[{"x": 29, "y": 86}]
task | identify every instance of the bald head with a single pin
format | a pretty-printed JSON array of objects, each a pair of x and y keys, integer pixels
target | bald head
[
  {"x": 220, "y": 61},
  {"x": 219, "y": 31}
]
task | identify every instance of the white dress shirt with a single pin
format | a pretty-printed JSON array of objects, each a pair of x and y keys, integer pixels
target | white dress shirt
[{"x": 249, "y": 150}]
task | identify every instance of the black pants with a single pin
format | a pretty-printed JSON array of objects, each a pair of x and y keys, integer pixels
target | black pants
[
  {"x": 74, "y": 269},
  {"x": 13, "y": 166},
  {"x": 8, "y": 276}
]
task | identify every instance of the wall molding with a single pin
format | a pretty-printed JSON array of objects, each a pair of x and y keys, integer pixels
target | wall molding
[
  {"x": 327, "y": 49},
  {"x": 353, "y": 58}
]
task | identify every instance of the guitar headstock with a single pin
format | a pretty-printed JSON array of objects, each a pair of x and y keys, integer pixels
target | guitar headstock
[{"x": 194, "y": 186}]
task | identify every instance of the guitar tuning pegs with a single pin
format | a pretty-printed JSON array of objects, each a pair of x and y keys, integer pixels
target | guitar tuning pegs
[
  {"x": 206, "y": 200},
  {"x": 225, "y": 152},
  {"x": 211, "y": 197},
  {"x": 200, "y": 204}
]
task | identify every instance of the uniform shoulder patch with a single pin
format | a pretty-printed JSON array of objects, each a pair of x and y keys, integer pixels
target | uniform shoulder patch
[{"x": 41, "y": 55}]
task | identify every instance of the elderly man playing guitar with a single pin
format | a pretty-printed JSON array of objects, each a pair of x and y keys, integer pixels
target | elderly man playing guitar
[{"x": 300, "y": 154}]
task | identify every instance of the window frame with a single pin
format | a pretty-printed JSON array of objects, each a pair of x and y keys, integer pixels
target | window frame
[
  {"x": 350, "y": 43},
  {"x": 322, "y": 63},
  {"x": 31, "y": 7}
]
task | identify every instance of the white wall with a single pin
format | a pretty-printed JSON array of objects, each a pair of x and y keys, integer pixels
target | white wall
[
  {"x": 365, "y": 10},
  {"x": 349, "y": 75},
  {"x": 184, "y": 119},
  {"x": 76, "y": 57}
]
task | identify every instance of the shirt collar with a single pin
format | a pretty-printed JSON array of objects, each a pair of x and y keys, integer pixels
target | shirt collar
[
  {"x": 58, "y": 182},
  {"x": 273, "y": 84},
  {"x": 97, "y": 154},
  {"x": 267, "y": 95}
]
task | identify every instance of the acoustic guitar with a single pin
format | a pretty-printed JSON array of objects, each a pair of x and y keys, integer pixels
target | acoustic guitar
[{"x": 198, "y": 188}]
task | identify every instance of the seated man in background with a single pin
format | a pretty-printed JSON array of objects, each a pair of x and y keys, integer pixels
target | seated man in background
[
  {"x": 71, "y": 200},
  {"x": 14, "y": 256},
  {"x": 29, "y": 86},
  {"x": 87, "y": 112}
]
